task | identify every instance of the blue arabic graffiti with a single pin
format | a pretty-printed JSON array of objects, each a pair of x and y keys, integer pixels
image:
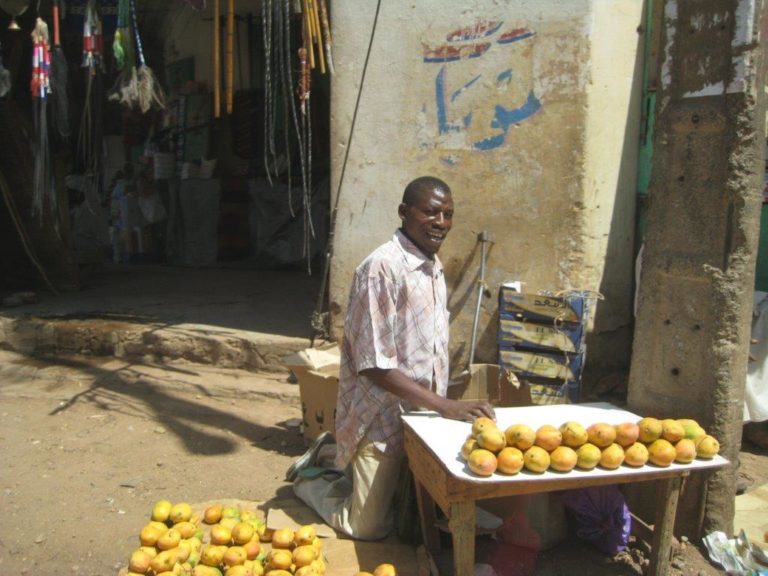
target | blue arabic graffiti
[{"x": 504, "y": 115}]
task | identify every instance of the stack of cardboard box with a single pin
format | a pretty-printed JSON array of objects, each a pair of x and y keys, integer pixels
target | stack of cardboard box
[{"x": 541, "y": 340}]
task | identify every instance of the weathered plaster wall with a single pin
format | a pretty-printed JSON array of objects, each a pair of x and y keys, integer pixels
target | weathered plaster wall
[{"x": 527, "y": 109}]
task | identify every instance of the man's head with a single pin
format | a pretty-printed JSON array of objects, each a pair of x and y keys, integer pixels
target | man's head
[{"x": 427, "y": 213}]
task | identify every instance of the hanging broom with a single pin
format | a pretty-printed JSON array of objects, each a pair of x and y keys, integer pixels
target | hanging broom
[
  {"x": 149, "y": 90},
  {"x": 59, "y": 82},
  {"x": 42, "y": 182}
]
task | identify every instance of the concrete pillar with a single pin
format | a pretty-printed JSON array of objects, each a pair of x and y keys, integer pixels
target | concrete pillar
[{"x": 695, "y": 293}]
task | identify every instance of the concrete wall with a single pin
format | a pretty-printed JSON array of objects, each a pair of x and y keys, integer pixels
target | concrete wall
[{"x": 529, "y": 110}]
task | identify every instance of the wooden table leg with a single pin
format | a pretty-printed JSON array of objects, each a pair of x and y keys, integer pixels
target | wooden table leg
[
  {"x": 462, "y": 525},
  {"x": 426, "y": 505},
  {"x": 668, "y": 492}
]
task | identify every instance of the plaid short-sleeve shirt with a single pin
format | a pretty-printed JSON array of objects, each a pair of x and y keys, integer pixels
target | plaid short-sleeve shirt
[{"x": 397, "y": 318}]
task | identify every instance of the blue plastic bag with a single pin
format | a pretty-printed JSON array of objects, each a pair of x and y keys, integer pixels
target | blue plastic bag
[{"x": 600, "y": 516}]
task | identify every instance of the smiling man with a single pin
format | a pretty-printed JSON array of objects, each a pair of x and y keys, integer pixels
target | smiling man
[{"x": 394, "y": 359}]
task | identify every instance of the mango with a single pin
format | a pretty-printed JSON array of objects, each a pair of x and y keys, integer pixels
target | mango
[
  {"x": 491, "y": 439},
  {"x": 563, "y": 459},
  {"x": 650, "y": 429},
  {"x": 466, "y": 448},
  {"x": 139, "y": 561},
  {"x": 169, "y": 540},
  {"x": 481, "y": 424},
  {"x": 482, "y": 462},
  {"x": 536, "y": 459},
  {"x": 180, "y": 512},
  {"x": 612, "y": 456},
  {"x": 627, "y": 433},
  {"x": 212, "y": 514},
  {"x": 521, "y": 436},
  {"x": 685, "y": 451},
  {"x": 574, "y": 434},
  {"x": 661, "y": 453},
  {"x": 601, "y": 434},
  {"x": 707, "y": 447},
  {"x": 636, "y": 455},
  {"x": 234, "y": 556},
  {"x": 672, "y": 430},
  {"x": 304, "y": 555},
  {"x": 510, "y": 460},
  {"x": 588, "y": 456},
  {"x": 548, "y": 437},
  {"x": 282, "y": 538},
  {"x": 161, "y": 510}
]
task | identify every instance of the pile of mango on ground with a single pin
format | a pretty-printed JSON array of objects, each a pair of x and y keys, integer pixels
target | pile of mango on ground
[
  {"x": 489, "y": 449},
  {"x": 177, "y": 542}
]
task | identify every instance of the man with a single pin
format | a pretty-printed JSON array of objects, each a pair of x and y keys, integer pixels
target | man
[{"x": 394, "y": 358}]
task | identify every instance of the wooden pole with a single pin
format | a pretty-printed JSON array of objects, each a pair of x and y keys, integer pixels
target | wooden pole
[
  {"x": 230, "y": 54},
  {"x": 216, "y": 60}
]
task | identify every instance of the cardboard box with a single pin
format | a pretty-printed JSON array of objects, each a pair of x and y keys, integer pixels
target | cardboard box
[
  {"x": 555, "y": 365},
  {"x": 541, "y": 308},
  {"x": 549, "y": 391},
  {"x": 533, "y": 336},
  {"x": 318, "y": 403},
  {"x": 318, "y": 374},
  {"x": 490, "y": 382}
]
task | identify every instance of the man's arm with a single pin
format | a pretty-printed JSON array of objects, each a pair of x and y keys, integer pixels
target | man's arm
[{"x": 397, "y": 383}]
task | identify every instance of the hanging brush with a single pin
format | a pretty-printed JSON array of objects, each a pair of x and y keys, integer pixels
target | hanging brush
[
  {"x": 5, "y": 76},
  {"x": 149, "y": 90},
  {"x": 121, "y": 42},
  {"x": 59, "y": 82}
]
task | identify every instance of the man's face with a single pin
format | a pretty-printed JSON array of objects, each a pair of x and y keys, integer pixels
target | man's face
[{"x": 428, "y": 220}]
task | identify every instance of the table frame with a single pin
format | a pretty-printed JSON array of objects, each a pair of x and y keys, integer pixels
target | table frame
[{"x": 435, "y": 484}]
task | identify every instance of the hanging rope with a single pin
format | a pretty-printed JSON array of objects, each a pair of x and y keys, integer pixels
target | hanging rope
[{"x": 23, "y": 236}]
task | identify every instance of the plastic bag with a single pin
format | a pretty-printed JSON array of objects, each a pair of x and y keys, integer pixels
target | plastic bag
[
  {"x": 152, "y": 207},
  {"x": 601, "y": 516}
]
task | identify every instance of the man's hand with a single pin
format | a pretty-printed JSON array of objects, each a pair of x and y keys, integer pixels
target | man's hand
[
  {"x": 399, "y": 384},
  {"x": 457, "y": 410}
]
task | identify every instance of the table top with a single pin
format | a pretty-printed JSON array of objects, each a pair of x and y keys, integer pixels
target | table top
[{"x": 445, "y": 437}]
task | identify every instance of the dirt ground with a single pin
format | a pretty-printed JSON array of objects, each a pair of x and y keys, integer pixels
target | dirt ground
[{"x": 89, "y": 444}]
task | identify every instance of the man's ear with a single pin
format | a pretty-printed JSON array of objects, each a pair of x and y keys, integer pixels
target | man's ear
[{"x": 401, "y": 210}]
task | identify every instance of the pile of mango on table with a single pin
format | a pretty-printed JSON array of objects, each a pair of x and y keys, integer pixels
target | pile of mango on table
[{"x": 489, "y": 449}]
